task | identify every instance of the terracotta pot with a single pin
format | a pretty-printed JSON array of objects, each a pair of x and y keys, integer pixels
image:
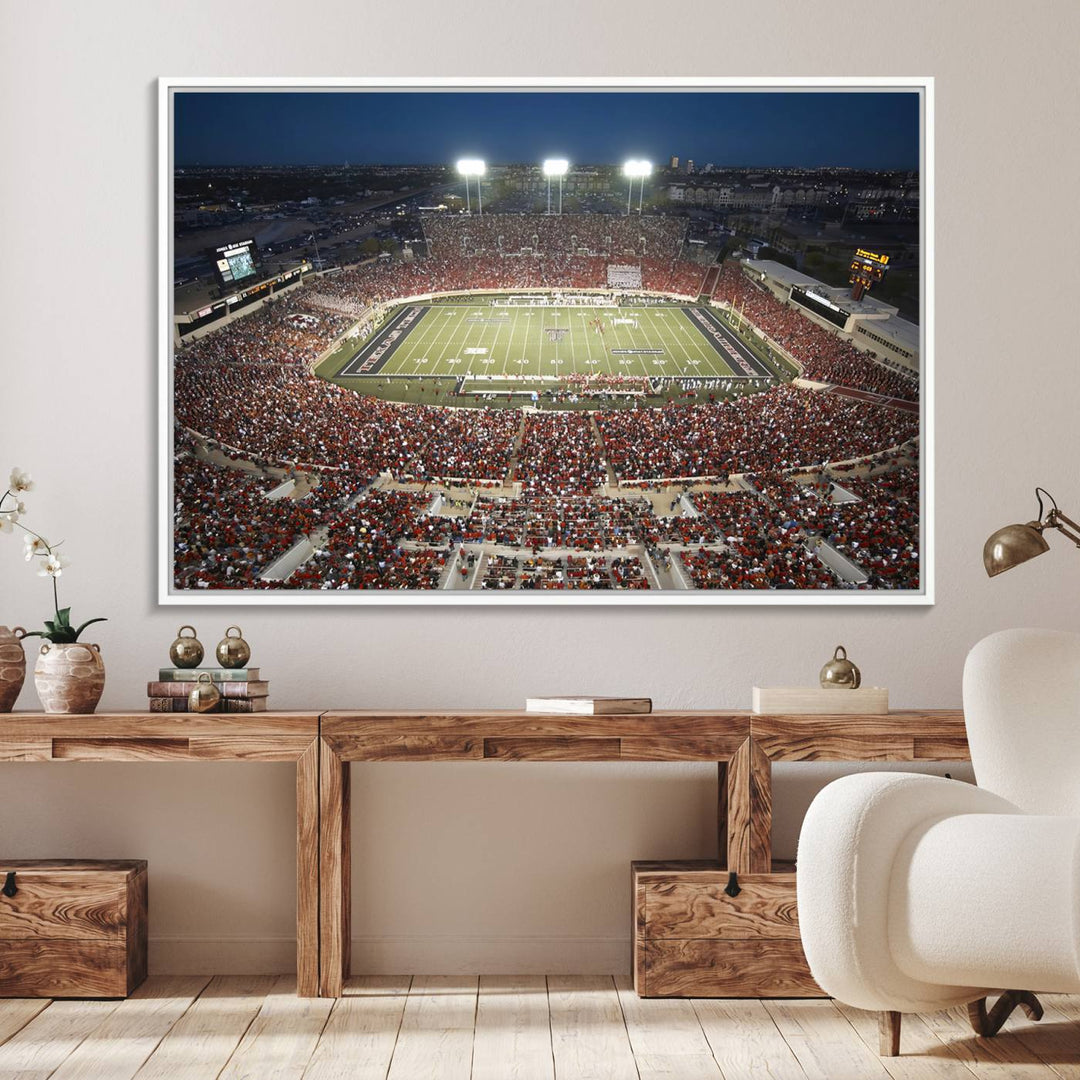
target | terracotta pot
[
  {"x": 12, "y": 666},
  {"x": 69, "y": 678}
]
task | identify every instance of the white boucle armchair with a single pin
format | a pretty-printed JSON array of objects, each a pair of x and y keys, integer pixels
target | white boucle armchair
[{"x": 917, "y": 893}]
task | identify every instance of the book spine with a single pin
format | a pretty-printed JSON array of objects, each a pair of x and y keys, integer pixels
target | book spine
[
  {"x": 169, "y": 704},
  {"x": 238, "y": 705},
  {"x": 226, "y": 689},
  {"x": 182, "y": 675}
]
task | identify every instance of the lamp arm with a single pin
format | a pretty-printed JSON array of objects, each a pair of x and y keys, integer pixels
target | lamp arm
[{"x": 1064, "y": 525}]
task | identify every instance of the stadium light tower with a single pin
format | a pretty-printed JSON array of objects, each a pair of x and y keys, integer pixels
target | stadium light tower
[
  {"x": 472, "y": 167},
  {"x": 634, "y": 170},
  {"x": 555, "y": 167}
]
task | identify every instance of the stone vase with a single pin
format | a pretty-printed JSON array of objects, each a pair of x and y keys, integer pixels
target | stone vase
[
  {"x": 12, "y": 666},
  {"x": 69, "y": 678}
]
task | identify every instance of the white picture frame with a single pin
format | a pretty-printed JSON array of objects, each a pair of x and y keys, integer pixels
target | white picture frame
[{"x": 169, "y": 595}]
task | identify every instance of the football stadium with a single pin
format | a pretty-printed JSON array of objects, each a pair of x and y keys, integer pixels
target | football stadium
[{"x": 545, "y": 401}]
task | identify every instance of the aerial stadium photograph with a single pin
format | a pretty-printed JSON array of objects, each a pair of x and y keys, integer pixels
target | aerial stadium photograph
[{"x": 558, "y": 343}]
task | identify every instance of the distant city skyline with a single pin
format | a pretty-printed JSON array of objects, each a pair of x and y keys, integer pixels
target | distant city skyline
[{"x": 767, "y": 129}]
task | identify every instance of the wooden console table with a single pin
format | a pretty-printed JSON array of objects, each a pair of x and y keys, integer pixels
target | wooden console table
[
  {"x": 742, "y": 744},
  {"x": 269, "y": 736}
]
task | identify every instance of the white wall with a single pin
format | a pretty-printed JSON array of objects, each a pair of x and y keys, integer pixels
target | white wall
[{"x": 494, "y": 867}]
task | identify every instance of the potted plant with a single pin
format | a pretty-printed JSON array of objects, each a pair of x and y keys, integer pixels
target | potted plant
[{"x": 69, "y": 674}]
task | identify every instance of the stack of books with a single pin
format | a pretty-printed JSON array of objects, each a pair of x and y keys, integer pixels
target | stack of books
[{"x": 241, "y": 689}]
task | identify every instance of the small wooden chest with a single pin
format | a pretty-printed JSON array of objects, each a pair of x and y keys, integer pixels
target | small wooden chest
[
  {"x": 692, "y": 939},
  {"x": 71, "y": 928}
]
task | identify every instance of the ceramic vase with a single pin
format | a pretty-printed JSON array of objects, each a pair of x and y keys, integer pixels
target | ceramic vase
[
  {"x": 12, "y": 666},
  {"x": 69, "y": 678}
]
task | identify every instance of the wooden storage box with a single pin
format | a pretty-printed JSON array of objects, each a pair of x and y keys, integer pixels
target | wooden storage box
[
  {"x": 72, "y": 928},
  {"x": 691, "y": 939},
  {"x": 817, "y": 701}
]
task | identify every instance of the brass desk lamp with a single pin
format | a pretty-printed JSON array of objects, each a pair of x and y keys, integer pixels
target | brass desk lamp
[{"x": 1014, "y": 544}]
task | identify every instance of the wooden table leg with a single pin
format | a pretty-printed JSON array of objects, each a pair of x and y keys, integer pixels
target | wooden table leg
[
  {"x": 335, "y": 929},
  {"x": 307, "y": 872},
  {"x": 722, "y": 813},
  {"x": 749, "y": 810}
]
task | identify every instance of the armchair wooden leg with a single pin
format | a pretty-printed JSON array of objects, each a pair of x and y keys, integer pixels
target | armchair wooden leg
[
  {"x": 889, "y": 1033},
  {"x": 988, "y": 1024}
]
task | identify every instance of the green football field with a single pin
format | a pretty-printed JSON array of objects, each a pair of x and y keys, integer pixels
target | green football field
[{"x": 546, "y": 344}]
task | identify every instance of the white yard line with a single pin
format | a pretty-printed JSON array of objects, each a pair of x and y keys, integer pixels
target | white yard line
[{"x": 588, "y": 331}]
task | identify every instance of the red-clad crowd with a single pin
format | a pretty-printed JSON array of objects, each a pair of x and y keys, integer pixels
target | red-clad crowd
[
  {"x": 246, "y": 389},
  {"x": 559, "y": 455},
  {"x": 226, "y": 530},
  {"x": 286, "y": 330},
  {"x": 587, "y": 523},
  {"x": 781, "y": 428},
  {"x": 465, "y": 444},
  {"x": 363, "y": 549},
  {"x": 760, "y": 552},
  {"x": 824, "y": 356},
  {"x": 564, "y": 572},
  {"x": 545, "y": 234},
  {"x": 880, "y": 532}
]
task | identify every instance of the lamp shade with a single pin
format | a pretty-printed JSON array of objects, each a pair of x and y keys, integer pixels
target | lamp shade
[{"x": 1012, "y": 545}]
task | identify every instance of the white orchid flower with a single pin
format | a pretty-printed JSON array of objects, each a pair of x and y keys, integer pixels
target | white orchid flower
[
  {"x": 34, "y": 545},
  {"x": 54, "y": 565},
  {"x": 20, "y": 481},
  {"x": 8, "y": 519}
]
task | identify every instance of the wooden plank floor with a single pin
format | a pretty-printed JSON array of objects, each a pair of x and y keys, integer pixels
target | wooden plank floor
[{"x": 524, "y": 1027}]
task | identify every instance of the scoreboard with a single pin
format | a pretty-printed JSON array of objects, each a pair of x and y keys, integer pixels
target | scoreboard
[
  {"x": 236, "y": 262},
  {"x": 867, "y": 269}
]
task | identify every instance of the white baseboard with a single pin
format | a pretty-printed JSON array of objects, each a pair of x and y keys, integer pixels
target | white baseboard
[{"x": 430, "y": 954}]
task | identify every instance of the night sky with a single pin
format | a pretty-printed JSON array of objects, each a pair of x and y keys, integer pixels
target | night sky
[{"x": 807, "y": 128}]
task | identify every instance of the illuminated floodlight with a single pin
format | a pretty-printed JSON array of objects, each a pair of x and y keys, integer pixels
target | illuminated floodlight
[
  {"x": 472, "y": 167},
  {"x": 555, "y": 167},
  {"x": 636, "y": 169}
]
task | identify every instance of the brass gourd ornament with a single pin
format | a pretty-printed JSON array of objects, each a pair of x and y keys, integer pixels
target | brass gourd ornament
[
  {"x": 233, "y": 652},
  {"x": 186, "y": 652},
  {"x": 840, "y": 673},
  {"x": 204, "y": 695}
]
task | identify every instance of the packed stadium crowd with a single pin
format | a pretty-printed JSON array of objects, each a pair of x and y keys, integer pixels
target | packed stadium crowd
[
  {"x": 760, "y": 552},
  {"x": 879, "y": 532},
  {"x": 587, "y": 523},
  {"x": 247, "y": 391},
  {"x": 823, "y": 356},
  {"x": 608, "y": 235},
  {"x": 781, "y": 428},
  {"x": 559, "y": 455},
  {"x": 363, "y": 549},
  {"x": 564, "y": 572},
  {"x": 227, "y": 532},
  {"x": 271, "y": 335}
]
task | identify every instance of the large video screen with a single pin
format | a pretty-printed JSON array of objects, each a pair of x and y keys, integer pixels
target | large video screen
[
  {"x": 819, "y": 306},
  {"x": 235, "y": 262}
]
